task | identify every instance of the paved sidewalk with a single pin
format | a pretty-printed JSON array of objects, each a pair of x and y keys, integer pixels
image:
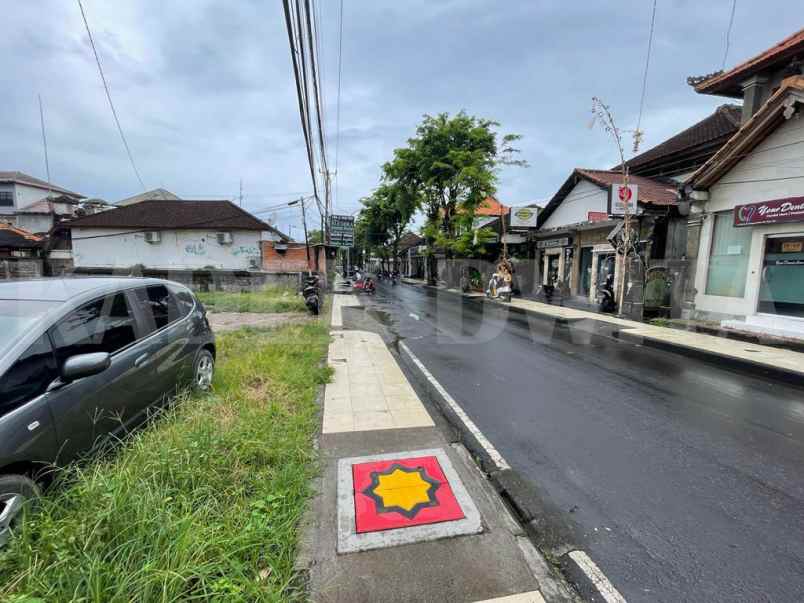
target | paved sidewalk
[
  {"x": 775, "y": 359},
  {"x": 402, "y": 514}
]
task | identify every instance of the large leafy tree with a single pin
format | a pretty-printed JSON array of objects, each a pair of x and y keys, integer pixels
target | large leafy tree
[
  {"x": 384, "y": 218},
  {"x": 449, "y": 167}
]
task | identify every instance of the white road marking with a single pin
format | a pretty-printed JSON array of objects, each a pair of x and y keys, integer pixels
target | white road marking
[
  {"x": 498, "y": 459},
  {"x": 598, "y": 578},
  {"x": 414, "y": 316}
]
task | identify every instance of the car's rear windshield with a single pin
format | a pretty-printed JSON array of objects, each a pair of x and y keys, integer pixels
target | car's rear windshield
[{"x": 16, "y": 317}]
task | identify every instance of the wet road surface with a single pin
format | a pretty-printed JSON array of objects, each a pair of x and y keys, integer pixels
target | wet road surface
[{"x": 682, "y": 480}]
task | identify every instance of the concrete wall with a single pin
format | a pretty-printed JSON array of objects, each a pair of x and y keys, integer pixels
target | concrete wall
[
  {"x": 178, "y": 249},
  {"x": 583, "y": 198},
  {"x": 765, "y": 169},
  {"x": 28, "y": 194}
]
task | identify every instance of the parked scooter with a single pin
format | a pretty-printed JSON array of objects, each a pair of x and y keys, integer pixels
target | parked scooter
[
  {"x": 605, "y": 295},
  {"x": 395, "y": 277},
  {"x": 369, "y": 286},
  {"x": 312, "y": 294}
]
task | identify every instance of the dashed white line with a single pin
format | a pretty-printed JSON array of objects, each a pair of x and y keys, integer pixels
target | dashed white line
[
  {"x": 414, "y": 316},
  {"x": 496, "y": 457},
  {"x": 598, "y": 578}
]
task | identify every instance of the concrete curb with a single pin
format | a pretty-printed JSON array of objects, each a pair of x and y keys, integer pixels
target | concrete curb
[
  {"x": 513, "y": 491},
  {"x": 745, "y": 366}
]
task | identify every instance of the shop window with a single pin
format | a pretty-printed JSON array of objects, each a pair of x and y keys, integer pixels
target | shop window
[{"x": 728, "y": 258}]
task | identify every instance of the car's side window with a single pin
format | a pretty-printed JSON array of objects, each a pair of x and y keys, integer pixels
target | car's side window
[
  {"x": 157, "y": 305},
  {"x": 103, "y": 325},
  {"x": 184, "y": 300},
  {"x": 29, "y": 376}
]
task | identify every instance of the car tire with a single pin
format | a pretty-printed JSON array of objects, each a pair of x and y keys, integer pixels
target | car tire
[
  {"x": 15, "y": 491},
  {"x": 203, "y": 370}
]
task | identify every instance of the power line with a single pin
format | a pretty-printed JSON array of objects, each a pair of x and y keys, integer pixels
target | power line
[
  {"x": 647, "y": 64},
  {"x": 338, "y": 109},
  {"x": 44, "y": 138},
  {"x": 300, "y": 91},
  {"x": 728, "y": 33},
  {"x": 109, "y": 96}
]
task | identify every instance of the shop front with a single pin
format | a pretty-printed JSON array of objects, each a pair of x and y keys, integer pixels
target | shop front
[{"x": 753, "y": 275}]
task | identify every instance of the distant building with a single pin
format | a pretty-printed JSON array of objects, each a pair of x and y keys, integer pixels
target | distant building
[
  {"x": 158, "y": 236},
  {"x": 20, "y": 252},
  {"x": 19, "y": 191},
  {"x": 159, "y": 194}
]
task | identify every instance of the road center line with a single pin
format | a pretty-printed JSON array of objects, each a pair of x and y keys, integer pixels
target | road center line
[
  {"x": 414, "y": 316},
  {"x": 496, "y": 457},
  {"x": 598, "y": 578}
]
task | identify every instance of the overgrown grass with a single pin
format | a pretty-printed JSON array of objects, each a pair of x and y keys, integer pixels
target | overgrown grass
[
  {"x": 269, "y": 300},
  {"x": 202, "y": 505}
]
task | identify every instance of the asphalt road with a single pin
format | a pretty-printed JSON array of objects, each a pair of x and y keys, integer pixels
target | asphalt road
[{"x": 682, "y": 480}]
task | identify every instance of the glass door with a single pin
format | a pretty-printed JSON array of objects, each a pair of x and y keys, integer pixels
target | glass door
[
  {"x": 586, "y": 271},
  {"x": 782, "y": 288}
]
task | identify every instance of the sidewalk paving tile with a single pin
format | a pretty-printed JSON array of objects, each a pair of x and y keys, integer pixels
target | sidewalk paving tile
[{"x": 368, "y": 389}]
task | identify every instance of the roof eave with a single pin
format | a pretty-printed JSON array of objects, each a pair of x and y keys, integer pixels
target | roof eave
[{"x": 762, "y": 123}]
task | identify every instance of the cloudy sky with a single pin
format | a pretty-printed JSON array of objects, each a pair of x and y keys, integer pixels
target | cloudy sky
[{"x": 205, "y": 93}]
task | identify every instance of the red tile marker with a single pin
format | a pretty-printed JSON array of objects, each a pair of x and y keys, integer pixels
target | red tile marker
[{"x": 400, "y": 493}]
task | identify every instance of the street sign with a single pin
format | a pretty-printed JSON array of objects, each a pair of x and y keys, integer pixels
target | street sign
[
  {"x": 524, "y": 217},
  {"x": 622, "y": 197},
  {"x": 342, "y": 231}
]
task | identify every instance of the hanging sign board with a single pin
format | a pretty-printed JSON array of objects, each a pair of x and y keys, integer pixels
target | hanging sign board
[
  {"x": 559, "y": 242},
  {"x": 524, "y": 217},
  {"x": 790, "y": 209},
  {"x": 622, "y": 198},
  {"x": 342, "y": 230}
]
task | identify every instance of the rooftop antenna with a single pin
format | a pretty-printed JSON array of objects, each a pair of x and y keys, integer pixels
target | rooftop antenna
[{"x": 44, "y": 143}]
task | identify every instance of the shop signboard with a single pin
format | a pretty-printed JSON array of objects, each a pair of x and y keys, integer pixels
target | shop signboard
[
  {"x": 558, "y": 242},
  {"x": 623, "y": 198},
  {"x": 790, "y": 209},
  {"x": 524, "y": 217},
  {"x": 342, "y": 230}
]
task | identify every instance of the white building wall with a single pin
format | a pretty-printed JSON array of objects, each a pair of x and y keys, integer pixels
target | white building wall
[
  {"x": 575, "y": 207},
  {"x": 178, "y": 249},
  {"x": 28, "y": 194},
  {"x": 755, "y": 178},
  {"x": 35, "y": 222}
]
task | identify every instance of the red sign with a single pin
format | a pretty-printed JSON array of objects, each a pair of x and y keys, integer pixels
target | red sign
[
  {"x": 596, "y": 216},
  {"x": 790, "y": 209},
  {"x": 401, "y": 493}
]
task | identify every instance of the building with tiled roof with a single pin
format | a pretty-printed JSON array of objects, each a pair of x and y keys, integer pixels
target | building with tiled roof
[
  {"x": 745, "y": 241},
  {"x": 681, "y": 154}
]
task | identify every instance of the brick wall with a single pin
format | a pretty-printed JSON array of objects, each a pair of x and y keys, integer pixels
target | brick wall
[{"x": 292, "y": 259}]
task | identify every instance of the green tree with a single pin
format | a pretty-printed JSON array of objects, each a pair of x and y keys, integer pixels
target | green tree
[
  {"x": 315, "y": 237},
  {"x": 450, "y": 166}
]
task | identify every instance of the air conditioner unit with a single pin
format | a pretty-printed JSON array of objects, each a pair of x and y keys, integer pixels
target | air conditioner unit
[
  {"x": 225, "y": 238},
  {"x": 153, "y": 236}
]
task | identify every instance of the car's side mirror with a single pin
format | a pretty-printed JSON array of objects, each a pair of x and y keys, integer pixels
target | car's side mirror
[{"x": 84, "y": 365}]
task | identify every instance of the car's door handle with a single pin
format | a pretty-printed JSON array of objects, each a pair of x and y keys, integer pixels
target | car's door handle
[{"x": 141, "y": 360}]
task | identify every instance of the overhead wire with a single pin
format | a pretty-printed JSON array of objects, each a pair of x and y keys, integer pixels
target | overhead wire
[
  {"x": 300, "y": 88},
  {"x": 728, "y": 33},
  {"x": 109, "y": 97},
  {"x": 647, "y": 65},
  {"x": 338, "y": 103}
]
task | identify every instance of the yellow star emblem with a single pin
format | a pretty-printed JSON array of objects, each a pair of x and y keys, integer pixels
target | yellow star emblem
[{"x": 403, "y": 490}]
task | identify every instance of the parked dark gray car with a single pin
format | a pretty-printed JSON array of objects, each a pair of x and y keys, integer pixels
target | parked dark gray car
[{"x": 82, "y": 359}]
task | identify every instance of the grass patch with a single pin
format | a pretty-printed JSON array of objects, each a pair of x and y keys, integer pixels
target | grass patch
[
  {"x": 267, "y": 301},
  {"x": 203, "y": 505}
]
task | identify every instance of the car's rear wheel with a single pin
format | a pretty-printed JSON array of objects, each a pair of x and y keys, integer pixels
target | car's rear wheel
[
  {"x": 203, "y": 371},
  {"x": 15, "y": 492}
]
